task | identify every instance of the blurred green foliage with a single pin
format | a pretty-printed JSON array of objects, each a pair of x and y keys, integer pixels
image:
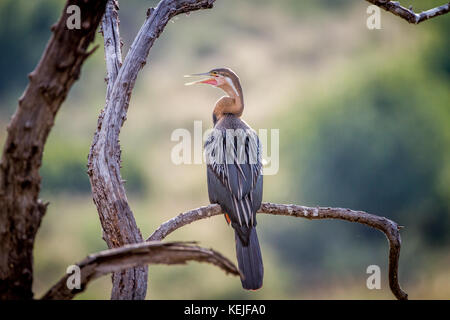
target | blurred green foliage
[
  {"x": 24, "y": 35},
  {"x": 64, "y": 170},
  {"x": 377, "y": 141}
]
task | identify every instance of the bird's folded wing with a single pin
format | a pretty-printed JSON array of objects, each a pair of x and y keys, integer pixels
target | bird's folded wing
[{"x": 237, "y": 165}]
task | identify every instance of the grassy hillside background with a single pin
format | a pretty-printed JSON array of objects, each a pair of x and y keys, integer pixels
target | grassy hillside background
[{"x": 364, "y": 123}]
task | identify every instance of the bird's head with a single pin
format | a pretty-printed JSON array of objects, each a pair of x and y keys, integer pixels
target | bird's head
[{"x": 222, "y": 78}]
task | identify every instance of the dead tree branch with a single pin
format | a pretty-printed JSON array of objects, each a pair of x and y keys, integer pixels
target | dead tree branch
[
  {"x": 388, "y": 227},
  {"x": 119, "y": 225},
  {"x": 133, "y": 255},
  {"x": 21, "y": 211},
  {"x": 408, "y": 14},
  {"x": 112, "y": 44},
  {"x": 118, "y": 229}
]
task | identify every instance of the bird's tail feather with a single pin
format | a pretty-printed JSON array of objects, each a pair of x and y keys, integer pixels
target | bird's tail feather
[{"x": 250, "y": 261}]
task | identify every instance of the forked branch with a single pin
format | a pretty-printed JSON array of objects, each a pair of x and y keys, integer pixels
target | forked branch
[
  {"x": 388, "y": 227},
  {"x": 408, "y": 14},
  {"x": 118, "y": 223},
  {"x": 134, "y": 255}
]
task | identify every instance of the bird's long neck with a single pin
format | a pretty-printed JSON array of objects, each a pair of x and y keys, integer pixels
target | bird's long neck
[{"x": 231, "y": 104}]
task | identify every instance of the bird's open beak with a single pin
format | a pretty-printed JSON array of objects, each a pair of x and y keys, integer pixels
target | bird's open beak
[{"x": 211, "y": 80}]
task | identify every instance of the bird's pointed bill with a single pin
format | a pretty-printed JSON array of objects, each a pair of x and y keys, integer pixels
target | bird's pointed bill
[{"x": 211, "y": 81}]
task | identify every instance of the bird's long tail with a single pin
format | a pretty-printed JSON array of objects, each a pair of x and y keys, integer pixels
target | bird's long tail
[{"x": 250, "y": 261}]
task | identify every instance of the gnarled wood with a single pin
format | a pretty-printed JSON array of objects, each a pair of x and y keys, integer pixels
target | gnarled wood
[{"x": 21, "y": 211}]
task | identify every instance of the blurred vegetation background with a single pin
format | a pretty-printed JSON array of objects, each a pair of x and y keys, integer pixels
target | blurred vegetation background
[{"x": 364, "y": 124}]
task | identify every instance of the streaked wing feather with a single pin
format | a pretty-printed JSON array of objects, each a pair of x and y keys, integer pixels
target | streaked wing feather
[{"x": 238, "y": 180}]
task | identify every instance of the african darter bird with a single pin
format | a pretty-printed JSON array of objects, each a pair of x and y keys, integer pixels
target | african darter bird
[{"x": 234, "y": 172}]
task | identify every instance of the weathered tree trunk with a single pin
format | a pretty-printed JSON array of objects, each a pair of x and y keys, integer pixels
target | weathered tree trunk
[{"x": 21, "y": 211}]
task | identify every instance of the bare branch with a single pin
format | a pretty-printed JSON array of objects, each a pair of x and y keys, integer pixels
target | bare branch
[
  {"x": 119, "y": 225},
  {"x": 21, "y": 211},
  {"x": 388, "y": 227},
  {"x": 133, "y": 255},
  {"x": 112, "y": 43},
  {"x": 183, "y": 219},
  {"x": 408, "y": 14}
]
